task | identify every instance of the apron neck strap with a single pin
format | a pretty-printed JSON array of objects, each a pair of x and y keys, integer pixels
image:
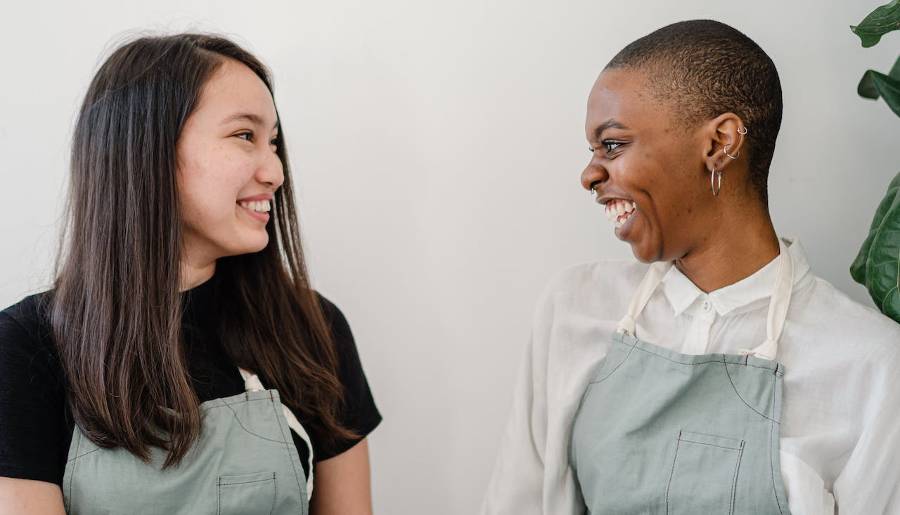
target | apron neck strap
[
  {"x": 654, "y": 276},
  {"x": 778, "y": 308},
  {"x": 778, "y": 305}
]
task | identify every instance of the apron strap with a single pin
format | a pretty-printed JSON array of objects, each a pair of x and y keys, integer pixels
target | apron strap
[
  {"x": 654, "y": 276},
  {"x": 253, "y": 384},
  {"x": 778, "y": 305},
  {"x": 778, "y": 308}
]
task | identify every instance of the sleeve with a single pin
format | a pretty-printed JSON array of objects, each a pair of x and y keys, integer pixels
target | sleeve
[
  {"x": 517, "y": 483},
  {"x": 870, "y": 480},
  {"x": 32, "y": 406},
  {"x": 359, "y": 412}
]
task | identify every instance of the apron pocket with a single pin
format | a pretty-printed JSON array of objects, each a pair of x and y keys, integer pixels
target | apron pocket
[
  {"x": 704, "y": 474},
  {"x": 247, "y": 494}
]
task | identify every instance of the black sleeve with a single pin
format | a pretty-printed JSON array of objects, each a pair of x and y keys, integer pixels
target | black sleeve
[
  {"x": 32, "y": 399},
  {"x": 359, "y": 412}
]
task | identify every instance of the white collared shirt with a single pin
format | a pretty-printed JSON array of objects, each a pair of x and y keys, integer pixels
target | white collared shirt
[{"x": 840, "y": 431}]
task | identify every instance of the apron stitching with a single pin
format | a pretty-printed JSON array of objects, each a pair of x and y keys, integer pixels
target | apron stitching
[
  {"x": 231, "y": 483},
  {"x": 672, "y": 473},
  {"x": 85, "y": 454},
  {"x": 733, "y": 387},
  {"x": 648, "y": 351},
  {"x": 226, "y": 404},
  {"x": 772, "y": 457},
  {"x": 737, "y": 467},
  {"x": 288, "y": 448},
  {"x": 611, "y": 372},
  {"x": 275, "y": 481},
  {"x": 238, "y": 420},
  {"x": 711, "y": 445},
  {"x": 74, "y": 465}
]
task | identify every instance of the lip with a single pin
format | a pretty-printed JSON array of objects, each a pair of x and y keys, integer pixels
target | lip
[
  {"x": 624, "y": 232},
  {"x": 262, "y": 217},
  {"x": 255, "y": 198},
  {"x": 609, "y": 198}
]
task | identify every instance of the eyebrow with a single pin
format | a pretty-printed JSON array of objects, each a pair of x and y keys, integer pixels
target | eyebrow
[
  {"x": 250, "y": 117},
  {"x": 608, "y": 124}
]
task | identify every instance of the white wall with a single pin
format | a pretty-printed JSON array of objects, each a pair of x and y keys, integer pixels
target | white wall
[{"x": 437, "y": 147}]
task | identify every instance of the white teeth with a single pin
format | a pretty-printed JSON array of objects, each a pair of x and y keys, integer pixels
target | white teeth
[
  {"x": 615, "y": 209},
  {"x": 260, "y": 206}
]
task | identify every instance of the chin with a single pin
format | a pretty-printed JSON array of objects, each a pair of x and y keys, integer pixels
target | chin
[
  {"x": 644, "y": 254},
  {"x": 251, "y": 245}
]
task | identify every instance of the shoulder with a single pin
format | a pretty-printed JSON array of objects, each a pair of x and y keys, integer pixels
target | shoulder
[
  {"x": 607, "y": 282},
  {"x": 335, "y": 318},
  {"x": 857, "y": 331},
  {"x": 32, "y": 399},
  {"x": 31, "y": 314},
  {"x": 25, "y": 329}
]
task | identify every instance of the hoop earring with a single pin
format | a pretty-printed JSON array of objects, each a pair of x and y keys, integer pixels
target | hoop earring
[{"x": 714, "y": 178}]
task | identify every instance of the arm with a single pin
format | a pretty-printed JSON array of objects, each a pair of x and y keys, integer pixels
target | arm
[
  {"x": 870, "y": 481},
  {"x": 29, "y": 497},
  {"x": 516, "y": 485},
  {"x": 31, "y": 421},
  {"x": 342, "y": 485}
]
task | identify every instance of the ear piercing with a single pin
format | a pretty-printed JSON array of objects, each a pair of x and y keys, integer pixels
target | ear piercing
[
  {"x": 715, "y": 181},
  {"x": 742, "y": 131}
]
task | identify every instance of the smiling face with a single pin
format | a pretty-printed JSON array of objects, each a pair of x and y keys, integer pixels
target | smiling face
[
  {"x": 646, "y": 163},
  {"x": 228, "y": 170}
]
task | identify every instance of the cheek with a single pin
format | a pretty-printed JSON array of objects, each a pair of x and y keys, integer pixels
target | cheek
[{"x": 209, "y": 184}]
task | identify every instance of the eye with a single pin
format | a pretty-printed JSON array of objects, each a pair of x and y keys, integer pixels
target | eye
[
  {"x": 246, "y": 136},
  {"x": 611, "y": 145},
  {"x": 275, "y": 142}
]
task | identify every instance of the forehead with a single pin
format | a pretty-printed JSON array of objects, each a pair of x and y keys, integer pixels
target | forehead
[
  {"x": 623, "y": 95},
  {"x": 233, "y": 88}
]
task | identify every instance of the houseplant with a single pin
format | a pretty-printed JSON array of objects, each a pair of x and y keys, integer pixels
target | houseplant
[{"x": 877, "y": 266}]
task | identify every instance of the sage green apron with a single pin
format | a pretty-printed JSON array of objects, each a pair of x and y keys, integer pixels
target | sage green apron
[
  {"x": 660, "y": 432},
  {"x": 245, "y": 462}
]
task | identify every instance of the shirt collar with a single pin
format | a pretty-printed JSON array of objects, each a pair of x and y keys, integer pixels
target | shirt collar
[{"x": 682, "y": 293}]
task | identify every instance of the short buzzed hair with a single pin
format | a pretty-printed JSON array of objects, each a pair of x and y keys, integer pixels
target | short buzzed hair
[{"x": 704, "y": 68}]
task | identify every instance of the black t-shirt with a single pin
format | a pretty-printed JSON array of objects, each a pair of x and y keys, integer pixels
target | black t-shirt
[{"x": 36, "y": 424}]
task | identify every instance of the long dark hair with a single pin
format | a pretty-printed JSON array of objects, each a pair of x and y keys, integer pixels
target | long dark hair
[{"x": 116, "y": 310}]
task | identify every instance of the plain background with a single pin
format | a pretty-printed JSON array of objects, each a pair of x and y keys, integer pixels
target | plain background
[{"x": 437, "y": 148}]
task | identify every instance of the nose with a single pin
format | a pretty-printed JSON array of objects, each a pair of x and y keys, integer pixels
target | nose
[
  {"x": 593, "y": 173},
  {"x": 271, "y": 171}
]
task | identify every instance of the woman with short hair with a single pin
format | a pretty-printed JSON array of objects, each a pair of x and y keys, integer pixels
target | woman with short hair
[{"x": 718, "y": 374}]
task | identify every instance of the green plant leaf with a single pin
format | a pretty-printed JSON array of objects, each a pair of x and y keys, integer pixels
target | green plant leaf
[
  {"x": 877, "y": 266},
  {"x": 867, "y": 88},
  {"x": 875, "y": 84},
  {"x": 878, "y": 23}
]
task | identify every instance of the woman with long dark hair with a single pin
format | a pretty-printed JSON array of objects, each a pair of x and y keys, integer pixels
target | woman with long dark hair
[{"x": 182, "y": 363}]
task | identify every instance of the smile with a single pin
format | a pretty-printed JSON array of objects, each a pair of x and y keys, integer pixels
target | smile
[
  {"x": 259, "y": 206},
  {"x": 258, "y": 209},
  {"x": 619, "y": 211}
]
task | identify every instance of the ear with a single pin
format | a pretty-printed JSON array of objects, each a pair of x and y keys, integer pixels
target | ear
[{"x": 722, "y": 137}]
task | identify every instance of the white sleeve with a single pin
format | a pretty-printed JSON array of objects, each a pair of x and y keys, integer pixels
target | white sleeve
[
  {"x": 516, "y": 485},
  {"x": 870, "y": 481}
]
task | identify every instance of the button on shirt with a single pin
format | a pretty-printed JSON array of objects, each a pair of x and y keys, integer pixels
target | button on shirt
[{"x": 840, "y": 431}]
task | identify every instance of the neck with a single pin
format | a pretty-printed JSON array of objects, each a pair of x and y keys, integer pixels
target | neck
[
  {"x": 738, "y": 244},
  {"x": 195, "y": 270}
]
